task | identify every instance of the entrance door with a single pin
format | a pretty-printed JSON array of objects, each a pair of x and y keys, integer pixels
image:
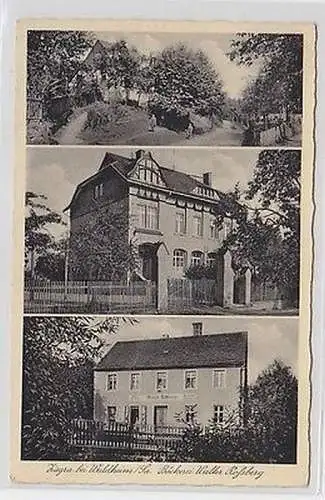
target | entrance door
[
  {"x": 160, "y": 416},
  {"x": 148, "y": 253},
  {"x": 134, "y": 415}
]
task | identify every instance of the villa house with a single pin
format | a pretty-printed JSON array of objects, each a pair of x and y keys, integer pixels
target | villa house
[
  {"x": 171, "y": 218},
  {"x": 171, "y": 381}
]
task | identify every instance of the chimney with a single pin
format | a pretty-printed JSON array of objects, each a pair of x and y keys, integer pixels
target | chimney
[
  {"x": 139, "y": 154},
  {"x": 207, "y": 178},
  {"x": 197, "y": 329}
]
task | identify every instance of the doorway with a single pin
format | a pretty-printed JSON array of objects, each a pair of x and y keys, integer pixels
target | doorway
[
  {"x": 148, "y": 254},
  {"x": 160, "y": 416},
  {"x": 134, "y": 415}
]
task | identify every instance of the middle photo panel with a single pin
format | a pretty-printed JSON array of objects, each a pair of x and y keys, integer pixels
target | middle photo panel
[{"x": 172, "y": 231}]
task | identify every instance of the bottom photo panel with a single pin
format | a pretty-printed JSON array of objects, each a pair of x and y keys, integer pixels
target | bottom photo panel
[{"x": 160, "y": 389}]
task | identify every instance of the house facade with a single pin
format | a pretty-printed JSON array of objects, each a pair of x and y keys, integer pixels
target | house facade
[
  {"x": 171, "y": 218},
  {"x": 172, "y": 381}
]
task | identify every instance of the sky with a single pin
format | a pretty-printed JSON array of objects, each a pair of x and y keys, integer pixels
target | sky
[
  {"x": 215, "y": 46},
  {"x": 269, "y": 338},
  {"x": 56, "y": 172}
]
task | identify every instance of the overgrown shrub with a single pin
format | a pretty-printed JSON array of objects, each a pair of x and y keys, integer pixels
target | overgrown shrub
[
  {"x": 40, "y": 132},
  {"x": 101, "y": 114}
]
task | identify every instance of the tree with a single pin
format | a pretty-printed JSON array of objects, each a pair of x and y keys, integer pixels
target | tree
[
  {"x": 120, "y": 63},
  {"x": 272, "y": 414},
  {"x": 100, "y": 248},
  {"x": 267, "y": 229},
  {"x": 38, "y": 219},
  {"x": 186, "y": 81},
  {"x": 52, "y": 264},
  {"x": 279, "y": 82},
  {"x": 58, "y": 360},
  {"x": 53, "y": 55}
]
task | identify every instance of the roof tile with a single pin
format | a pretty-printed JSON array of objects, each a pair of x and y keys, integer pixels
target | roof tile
[{"x": 224, "y": 350}]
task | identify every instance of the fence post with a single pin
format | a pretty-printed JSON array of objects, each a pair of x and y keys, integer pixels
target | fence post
[
  {"x": 162, "y": 284},
  {"x": 248, "y": 286}
]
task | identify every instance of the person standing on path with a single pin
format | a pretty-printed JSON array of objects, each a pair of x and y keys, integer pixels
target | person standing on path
[
  {"x": 152, "y": 123},
  {"x": 189, "y": 131}
]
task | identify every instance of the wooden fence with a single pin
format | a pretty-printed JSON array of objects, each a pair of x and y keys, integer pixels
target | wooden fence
[
  {"x": 122, "y": 436},
  {"x": 91, "y": 296},
  {"x": 185, "y": 293},
  {"x": 263, "y": 291}
]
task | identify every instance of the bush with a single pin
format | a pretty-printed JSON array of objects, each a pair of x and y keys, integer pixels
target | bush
[
  {"x": 201, "y": 124},
  {"x": 101, "y": 114},
  {"x": 40, "y": 132},
  {"x": 169, "y": 114}
]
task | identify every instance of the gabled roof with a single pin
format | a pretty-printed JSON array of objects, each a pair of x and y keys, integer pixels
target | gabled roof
[
  {"x": 176, "y": 181},
  {"x": 219, "y": 350}
]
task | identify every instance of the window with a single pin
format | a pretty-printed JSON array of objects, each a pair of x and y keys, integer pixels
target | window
[
  {"x": 161, "y": 381},
  {"x": 197, "y": 258},
  {"x": 147, "y": 172},
  {"x": 219, "y": 379},
  {"x": 134, "y": 381},
  {"x": 213, "y": 230},
  {"x": 198, "y": 225},
  {"x": 148, "y": 216},
  {"x": 152, "y": 217},
  {"x": 212, "y": 257},
  {"x": 227, "y": 227},
  {"x": 197, "y": 328},
  {"x": 111, "y": 413},
  {"x": 179, "y": 257},
  {"x": 218, "y": 414},
  {"x": 180, "y": 222},
  {"x": 190, "y": 379},
  {"x": 111, "y": 382},
  {"x": 99, "y": 191}
]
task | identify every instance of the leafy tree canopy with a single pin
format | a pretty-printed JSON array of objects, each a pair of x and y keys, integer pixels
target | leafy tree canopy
[
  {"x": 58, "y": 359},
  {"x": 100, "y": 248},
  {"x": 53, "y": 54},
  {"x": 38, "y": 218},
  {"x": 188, "y": 81},
  {"x": 267, "y": 229},
  {"x": 279, "y": 82}
]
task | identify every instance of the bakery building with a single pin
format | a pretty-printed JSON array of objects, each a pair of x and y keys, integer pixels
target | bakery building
[{"x": 169, "y": 381}]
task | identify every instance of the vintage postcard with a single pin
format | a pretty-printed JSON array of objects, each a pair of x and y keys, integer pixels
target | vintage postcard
[{"x": 163, "y": 253}]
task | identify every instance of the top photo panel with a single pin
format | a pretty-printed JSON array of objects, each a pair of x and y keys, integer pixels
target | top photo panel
[{"x": 159, "y": 89}]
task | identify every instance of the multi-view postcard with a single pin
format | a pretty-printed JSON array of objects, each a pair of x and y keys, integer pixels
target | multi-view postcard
[{"x": 163, "y": 253}]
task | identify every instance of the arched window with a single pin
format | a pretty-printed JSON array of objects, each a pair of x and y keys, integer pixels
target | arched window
[
  {"x": 179, "y": 259},
  {"x": 212, "y": 256},
  {"x": 197, "y": 258}
]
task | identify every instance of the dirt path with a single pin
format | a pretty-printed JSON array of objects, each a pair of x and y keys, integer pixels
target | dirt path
[
  {"x": 69, "y": 133},
  {"x": 226, "y": 135}
]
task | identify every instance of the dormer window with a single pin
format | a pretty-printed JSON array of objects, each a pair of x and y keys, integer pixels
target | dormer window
[{"x": 99, "y": 191}]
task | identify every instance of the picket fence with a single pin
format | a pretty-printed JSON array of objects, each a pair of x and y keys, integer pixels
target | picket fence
[
  {"x": 185, "y": 293},
  {"x": 122, "y": 436},
  {"x": 89, "y": 296}
]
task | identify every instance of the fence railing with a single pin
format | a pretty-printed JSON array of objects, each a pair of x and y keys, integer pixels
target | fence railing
[
  {"x": 263, "y": 291},
  {"x": 122, "y": 436},
  {"x": 184, "y": 293},
  {"x": 89, "y": 296}
]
